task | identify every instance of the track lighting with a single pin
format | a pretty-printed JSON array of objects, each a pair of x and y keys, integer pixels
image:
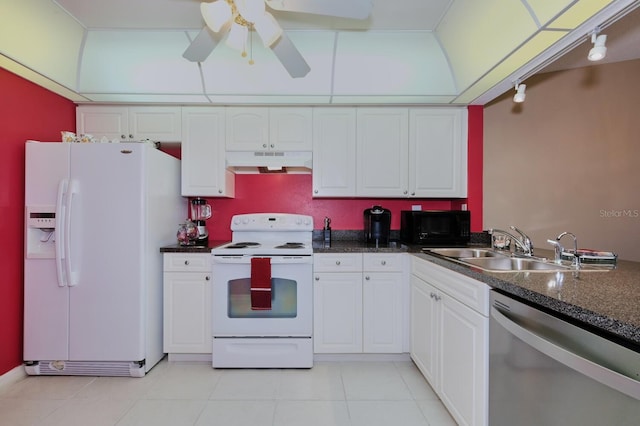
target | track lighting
[
  {"x": 599, "y": 50},
  {"x": 520, "y": 95}
]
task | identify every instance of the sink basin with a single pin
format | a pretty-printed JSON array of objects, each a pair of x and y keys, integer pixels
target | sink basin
[
  {"x": 462, "y": 253},
  {"x": 508, "y": 264}
]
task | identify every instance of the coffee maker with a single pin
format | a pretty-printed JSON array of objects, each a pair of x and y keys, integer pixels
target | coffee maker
[
  {"x": 377, "y": 226},
  {"x": 200, "y": 212}
]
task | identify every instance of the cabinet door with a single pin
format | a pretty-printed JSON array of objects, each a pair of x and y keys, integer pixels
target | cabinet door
[
  {"x": 162, "y": 124},
  {"x": 424, "y": 329},
  {"x": 187, "y": 312},
  {"x": 382, "y": 312},
  {"x": 204, "y": 171},
  {"x": 111, "y": 122},
  {"x": 334, "y": 152},
  {"x": 290, "y": 129},
  {"x": 438, "y": 152},
  {"x": 463, "y": 362},
  {"x": 337, "y": 314},
  {"x": 247, "y": 129},
  {"x": 383, "y": 152}
]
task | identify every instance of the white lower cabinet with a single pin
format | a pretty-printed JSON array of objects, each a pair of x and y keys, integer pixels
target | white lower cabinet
[
  {"x": 358, "y": 310},
  {"x": 187, "y": 303},
  {"x": 449, "y": 338}
]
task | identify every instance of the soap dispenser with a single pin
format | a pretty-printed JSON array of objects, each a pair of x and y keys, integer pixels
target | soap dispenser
[{"x": 327, "y": 232}]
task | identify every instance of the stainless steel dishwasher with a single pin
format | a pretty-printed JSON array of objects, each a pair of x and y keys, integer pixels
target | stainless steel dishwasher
[{"x": 546, "y": 371}]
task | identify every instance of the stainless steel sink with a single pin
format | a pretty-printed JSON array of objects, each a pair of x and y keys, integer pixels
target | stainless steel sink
[
  {"x": 514, "y": 264},
  {"x": 496, "y": 261},
  {"x": 460, "y": 253}
]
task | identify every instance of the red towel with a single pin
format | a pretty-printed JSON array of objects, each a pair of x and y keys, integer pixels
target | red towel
[{"x": 261, "y": 283}]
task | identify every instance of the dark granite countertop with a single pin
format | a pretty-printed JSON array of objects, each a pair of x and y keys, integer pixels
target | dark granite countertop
[
  {"x": 608, "y": 301},
  {"x": 176, "y": 248}
]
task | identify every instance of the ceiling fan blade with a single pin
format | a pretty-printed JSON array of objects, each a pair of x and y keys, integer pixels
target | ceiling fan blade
[
  {"x": 290, "y": 57},
  {"x": 202, "y": 46},
  {"x": 355, "y": 9}
]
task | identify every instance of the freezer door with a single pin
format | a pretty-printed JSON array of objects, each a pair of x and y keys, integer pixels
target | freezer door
[
  {"x": 46, "y": 304},
  {"x": 106, "y": 243}
]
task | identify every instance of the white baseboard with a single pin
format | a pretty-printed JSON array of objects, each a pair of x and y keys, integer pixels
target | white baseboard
[
  {"x": 12, "y": 376},
  {"x": 361, "y": 357},
  {"x": 189, "y": 358}
]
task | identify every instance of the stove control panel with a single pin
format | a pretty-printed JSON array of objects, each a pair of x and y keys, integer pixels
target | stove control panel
[{"x": 271, "y": 222}]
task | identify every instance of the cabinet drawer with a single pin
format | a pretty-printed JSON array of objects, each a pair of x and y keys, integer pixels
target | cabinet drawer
[
  {"x": 473, "y": 293},
  {"x": 187, "y": 262},
  {"x": 382, "y": 262},
  {"x": 338, "y": 262}
]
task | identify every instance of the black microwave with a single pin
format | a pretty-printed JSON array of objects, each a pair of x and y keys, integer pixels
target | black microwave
[{"x": 435, "y": 227}]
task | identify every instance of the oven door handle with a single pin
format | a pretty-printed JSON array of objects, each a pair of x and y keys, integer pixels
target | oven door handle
[{"x": 275, "y": 260}]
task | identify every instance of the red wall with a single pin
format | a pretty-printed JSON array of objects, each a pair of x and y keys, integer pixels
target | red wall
[{"x": 27, "y": 111}]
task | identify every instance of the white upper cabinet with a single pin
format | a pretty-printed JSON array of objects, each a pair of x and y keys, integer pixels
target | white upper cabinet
[
  {"x": 269, "y": 129},
  {"x": 438, "y": 152},
  {"x": 204, "y": 171},
  {"x": 399, "y": 152},
  {"x": 382, "y": 152},
  {"x": 334, "y": 152},
  {"x": 162, "y": 123}
]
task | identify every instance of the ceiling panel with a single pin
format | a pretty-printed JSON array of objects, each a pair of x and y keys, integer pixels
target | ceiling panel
[
  {"x": 391, "y": 63},
  {"x": 546, "y": 10},
  {"x": 475, "y": 45}
]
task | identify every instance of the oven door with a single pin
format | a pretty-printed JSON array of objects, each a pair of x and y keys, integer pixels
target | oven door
[{"x": 291, "y": 312}]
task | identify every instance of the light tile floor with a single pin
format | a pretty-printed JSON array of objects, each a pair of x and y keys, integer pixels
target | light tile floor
[{"x": 174, "y": 394}]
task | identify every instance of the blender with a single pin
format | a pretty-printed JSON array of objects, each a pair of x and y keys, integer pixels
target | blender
[{"x": 200, "y": 212}]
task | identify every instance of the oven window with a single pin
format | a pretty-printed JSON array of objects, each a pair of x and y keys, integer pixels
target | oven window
[{"x": 284, "y": 299}]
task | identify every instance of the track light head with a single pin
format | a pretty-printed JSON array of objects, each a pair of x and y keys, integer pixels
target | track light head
[
  {"x": 520, "y": 95},
  {"x": 599, "y": 50}
]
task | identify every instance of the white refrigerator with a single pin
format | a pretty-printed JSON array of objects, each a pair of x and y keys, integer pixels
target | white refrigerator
[{"x": 96, "y": 216}]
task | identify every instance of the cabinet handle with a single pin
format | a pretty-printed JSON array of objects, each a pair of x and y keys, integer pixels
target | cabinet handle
[
  {"x": 384, "y": 262},
  {"x": 317, "y": 278},
  {"x": 338, "y": 262},
  {"x": 405, "y": 192},
  {"x": 207, "y": 278},
  {"x": 367, "y": 278},
  {"x": 123, "y": 136},
  {"x": 186, "y": 262},
  {"x": 219, "y": 191},
  {"x": 315, "y": 191},
  {"x": 272, "y": 146},
  {"x": 264, "y": 145},
  {"x": 435, "y": 296},
  {"x": 130, "y": 136},
  {"x": 413, "y": 193}
]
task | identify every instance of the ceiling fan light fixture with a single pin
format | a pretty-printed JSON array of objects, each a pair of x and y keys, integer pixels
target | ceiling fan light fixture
[
  {"x": 251, "y": 10},
  {"x": 237, "y": 38},
  {"x": 599, "y": 50},
  {"x": 268, "y": 29},
  {"x": 216, "y": 14}
]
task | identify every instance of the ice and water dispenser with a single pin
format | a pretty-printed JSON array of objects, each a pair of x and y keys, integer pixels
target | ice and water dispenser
[{"x": 40, "y": 232}]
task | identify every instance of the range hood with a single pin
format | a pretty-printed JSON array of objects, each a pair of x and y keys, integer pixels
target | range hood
[{"x": 270, "y": 161}]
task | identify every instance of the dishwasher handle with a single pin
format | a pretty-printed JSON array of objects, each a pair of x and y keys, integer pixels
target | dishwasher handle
[{"x": 595, "y": 371}]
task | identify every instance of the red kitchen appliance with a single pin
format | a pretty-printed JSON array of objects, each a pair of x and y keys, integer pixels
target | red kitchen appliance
[{"x": 200, "y": 212}]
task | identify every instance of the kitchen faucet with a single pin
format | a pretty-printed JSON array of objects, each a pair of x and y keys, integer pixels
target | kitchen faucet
[
  {"x": 559, "y": 249},
  {"x": 523, "y": 242}
]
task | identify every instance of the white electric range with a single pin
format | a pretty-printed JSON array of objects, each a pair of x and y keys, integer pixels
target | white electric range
[{"x": 263, "y": 294}]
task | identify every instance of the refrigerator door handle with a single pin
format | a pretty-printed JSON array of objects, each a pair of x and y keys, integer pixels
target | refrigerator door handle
[
  {"x": 60, "y": 233},
  {"x": 72, "y": 276}
]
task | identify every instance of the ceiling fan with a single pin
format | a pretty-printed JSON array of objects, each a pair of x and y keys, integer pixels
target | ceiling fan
[{"x": 238, "y": 18}]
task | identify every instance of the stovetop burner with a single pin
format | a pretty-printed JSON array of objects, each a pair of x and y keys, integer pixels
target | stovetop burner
[
  {"x": 243, "y": 244},
  {"x": 290, "y": 246}
]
